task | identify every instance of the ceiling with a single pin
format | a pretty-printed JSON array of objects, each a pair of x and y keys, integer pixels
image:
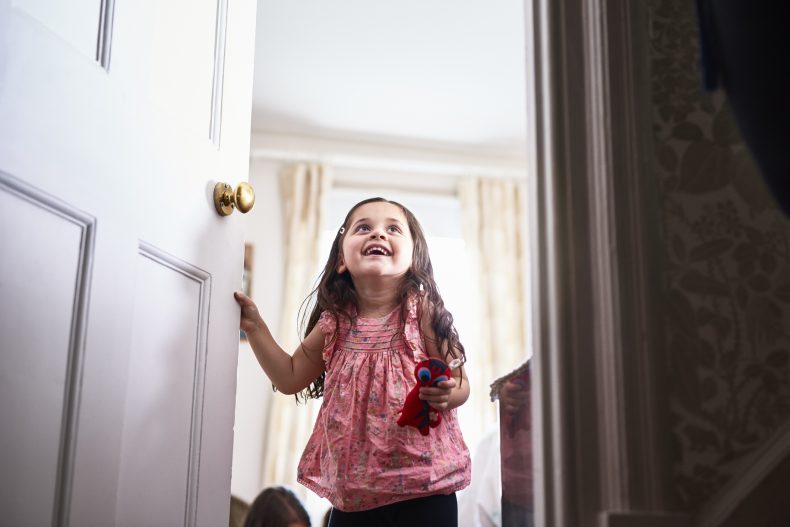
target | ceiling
[{"x": 414, "y": 71}]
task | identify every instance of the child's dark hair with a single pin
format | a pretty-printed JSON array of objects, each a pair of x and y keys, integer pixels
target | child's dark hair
[
  {"x": 336, "y": 294},
  {"x": 276, "y": 507}
]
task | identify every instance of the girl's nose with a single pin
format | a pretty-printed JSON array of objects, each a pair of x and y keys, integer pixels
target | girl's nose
[{"x": 377, "y": 233}]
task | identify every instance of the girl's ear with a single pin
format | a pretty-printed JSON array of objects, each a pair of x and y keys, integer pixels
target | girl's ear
[{"x": 341, "y": 265}]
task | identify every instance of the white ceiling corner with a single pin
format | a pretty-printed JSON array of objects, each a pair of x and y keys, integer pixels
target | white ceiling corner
[{"x": 423, "y": 72}]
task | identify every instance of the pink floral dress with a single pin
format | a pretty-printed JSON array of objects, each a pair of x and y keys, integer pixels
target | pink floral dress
[{"x": 357, "y": 456}]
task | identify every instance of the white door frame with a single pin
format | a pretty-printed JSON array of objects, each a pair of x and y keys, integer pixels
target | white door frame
[{"x": 598, "y": 351}]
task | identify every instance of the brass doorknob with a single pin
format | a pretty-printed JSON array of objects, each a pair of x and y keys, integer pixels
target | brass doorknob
[{"x": 226, "y": 199}]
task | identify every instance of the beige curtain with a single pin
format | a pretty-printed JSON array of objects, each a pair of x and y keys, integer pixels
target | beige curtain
[
  {"x": 304, "y": 188},
  {"x": 494, "y": 219}
]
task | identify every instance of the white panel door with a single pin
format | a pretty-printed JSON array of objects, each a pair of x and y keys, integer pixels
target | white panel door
[{"x": 118, "y": 330}]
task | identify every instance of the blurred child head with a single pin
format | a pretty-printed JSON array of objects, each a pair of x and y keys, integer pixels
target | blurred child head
[{"x": 277, "y": 507}]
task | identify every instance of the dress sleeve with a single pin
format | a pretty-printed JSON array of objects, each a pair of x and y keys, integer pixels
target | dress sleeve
[
  {"x": 411, "y": 330},
  {"x": 328, "y": 325}
]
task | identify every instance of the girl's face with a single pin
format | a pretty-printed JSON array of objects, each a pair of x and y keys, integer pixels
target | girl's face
[{"x": 377, "y": 243}]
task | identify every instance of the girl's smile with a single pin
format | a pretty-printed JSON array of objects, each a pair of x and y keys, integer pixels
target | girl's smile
[{"x": 376, "y": 250}]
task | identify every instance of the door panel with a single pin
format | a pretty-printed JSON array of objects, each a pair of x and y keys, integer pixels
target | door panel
[
  {"x": 160, "y": 460},
  {"x": 165, "y": 52},
  {"x": 73, "y": 21},
  {"x": 122, "y": 385},
  {"x": 42, "y": 294}
]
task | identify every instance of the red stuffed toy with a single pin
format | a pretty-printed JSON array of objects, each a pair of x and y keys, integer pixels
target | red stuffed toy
[{"x": 416, "y": 412}]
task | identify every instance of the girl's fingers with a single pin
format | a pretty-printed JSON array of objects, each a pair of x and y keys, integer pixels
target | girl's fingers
[
  {"x": 243, "y": 300},
  {"x": 435, "y": 397},
  {"x": 435, "y": 391},
  {"x": 240, "y": 297},
  {"x": 438, "y": 396}
]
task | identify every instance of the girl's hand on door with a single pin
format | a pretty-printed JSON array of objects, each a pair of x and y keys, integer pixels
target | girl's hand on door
[{"x": 251, "y": 320}]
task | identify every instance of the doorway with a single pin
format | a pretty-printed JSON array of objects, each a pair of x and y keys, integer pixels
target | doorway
[
  {"x": 407, "y": 114},
  {"x": 593, "y": 286}
]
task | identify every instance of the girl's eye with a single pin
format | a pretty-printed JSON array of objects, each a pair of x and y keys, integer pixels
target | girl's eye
[
  {"x": 394, "y": 228},
  {"x": 362, "y": 228}
]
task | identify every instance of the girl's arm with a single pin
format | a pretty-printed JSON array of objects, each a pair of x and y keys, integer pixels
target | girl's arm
[
  {"x": 289, "y": 373},
  {"x": 448, "y": 394}
]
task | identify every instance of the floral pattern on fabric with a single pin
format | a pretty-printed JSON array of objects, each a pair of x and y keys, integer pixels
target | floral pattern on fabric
[{"x": 357, "y": 456}]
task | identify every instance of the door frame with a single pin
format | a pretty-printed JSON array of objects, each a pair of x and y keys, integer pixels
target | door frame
[{"x": 597, "y": 331}]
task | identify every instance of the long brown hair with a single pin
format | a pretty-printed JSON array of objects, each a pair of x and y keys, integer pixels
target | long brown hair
[{"x": 336, "y": 294}]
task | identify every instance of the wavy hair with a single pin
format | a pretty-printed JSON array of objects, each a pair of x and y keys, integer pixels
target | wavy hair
[{"x": 336, "y": 294}]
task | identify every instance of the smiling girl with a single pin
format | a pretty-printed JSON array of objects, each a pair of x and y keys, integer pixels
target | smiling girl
[{"x": 377, "y": 314}]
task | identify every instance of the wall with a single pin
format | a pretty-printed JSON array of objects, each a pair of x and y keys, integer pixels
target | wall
[{"x": 726, "y": 266}]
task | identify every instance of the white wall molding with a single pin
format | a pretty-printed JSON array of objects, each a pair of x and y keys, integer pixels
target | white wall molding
[{"x": 386, "y": 156}]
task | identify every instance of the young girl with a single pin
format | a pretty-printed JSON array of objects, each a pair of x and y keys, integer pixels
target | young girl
[{"x": 377, "y": 313}]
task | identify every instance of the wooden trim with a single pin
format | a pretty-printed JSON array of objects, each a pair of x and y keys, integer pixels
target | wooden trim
[
  {"x": 604, "y": 264},
  {"x": 595, "y": 341},
  {"x": 203, "y": 280},
  {"x": 76, "y": 347},
  {"x": 550, "y": 441},
  {"x": 644, "y": 519},
  {"x": 755, "y": 469},
  {"x": 626, "y": 280},
  {"x": 639, "y": 253}
]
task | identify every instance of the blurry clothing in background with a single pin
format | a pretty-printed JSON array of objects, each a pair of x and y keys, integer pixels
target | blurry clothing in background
[{"x": 479, "y": 505}]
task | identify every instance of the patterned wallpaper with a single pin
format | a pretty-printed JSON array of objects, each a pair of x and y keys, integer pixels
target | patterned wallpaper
[{"x": 726, "y": 267}]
